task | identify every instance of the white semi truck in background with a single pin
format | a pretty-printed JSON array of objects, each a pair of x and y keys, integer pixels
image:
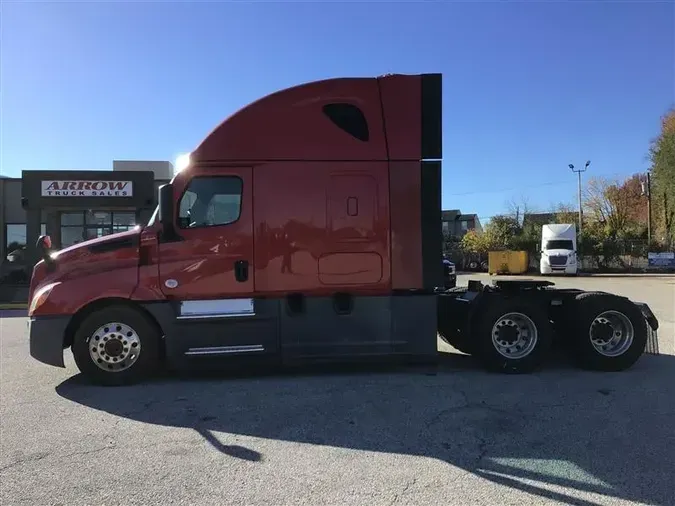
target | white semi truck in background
[{"x": 558, "y": 249}]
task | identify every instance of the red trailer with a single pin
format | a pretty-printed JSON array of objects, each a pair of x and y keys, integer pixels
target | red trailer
[{"x": 307, "y": 226}]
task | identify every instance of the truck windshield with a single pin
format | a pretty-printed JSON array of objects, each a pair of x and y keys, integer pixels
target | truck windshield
[{"x": 559, "y": 244}]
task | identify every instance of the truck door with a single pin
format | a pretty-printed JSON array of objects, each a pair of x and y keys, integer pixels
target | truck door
[
  {"x": 207, "y": 271},
  {"x": 213, "y": 256}
]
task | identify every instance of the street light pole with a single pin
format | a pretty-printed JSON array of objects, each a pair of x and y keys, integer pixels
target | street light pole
[{"x": 579, "y": 171}]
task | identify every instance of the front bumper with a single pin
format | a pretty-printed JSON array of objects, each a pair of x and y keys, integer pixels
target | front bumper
[
  {"x": 46, "y": 335},
  {"x": 558, "y": 269}
]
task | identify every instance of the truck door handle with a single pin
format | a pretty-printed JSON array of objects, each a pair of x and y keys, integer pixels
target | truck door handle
[
  {"x": 241, "y": 270},
  {"x": 352, "y": 206}
]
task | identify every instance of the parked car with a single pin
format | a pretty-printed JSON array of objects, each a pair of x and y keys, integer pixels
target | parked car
[
  {"x": 13, "y": 268},
  {"x": 477, "y": 263},
  {"x": 449, "y": 273}
]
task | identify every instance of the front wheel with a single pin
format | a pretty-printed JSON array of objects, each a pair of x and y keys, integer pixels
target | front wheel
[
  {"x": 117, "y": 345},
  {"x": 512, "y": 335},
  {"x": 610, "y": 333}
]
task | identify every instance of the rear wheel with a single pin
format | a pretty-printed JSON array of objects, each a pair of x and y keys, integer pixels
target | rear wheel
[
  {"x": 117, "y": 345},
  {"x": 512, "y": 335},
  {"x": 609, "y": 332}
]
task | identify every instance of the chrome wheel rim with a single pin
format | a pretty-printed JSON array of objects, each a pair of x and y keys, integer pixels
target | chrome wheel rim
[
  {"x": 611, "y": 333},
  {"x": 114, "y": 347},
  {"x": 514, "y": 335}
]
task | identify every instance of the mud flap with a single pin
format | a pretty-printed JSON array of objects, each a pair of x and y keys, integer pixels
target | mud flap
[{"x": 652, "y": 347}]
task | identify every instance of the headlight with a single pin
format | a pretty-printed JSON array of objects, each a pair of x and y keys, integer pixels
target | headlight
[{"x": 40, "y": 297}]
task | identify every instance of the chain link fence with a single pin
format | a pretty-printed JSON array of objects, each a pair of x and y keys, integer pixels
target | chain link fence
[{"x": 607, "y": 255}]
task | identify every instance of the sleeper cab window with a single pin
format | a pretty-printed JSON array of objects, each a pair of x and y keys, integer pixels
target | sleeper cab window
[
  {"x": 210, "y": 201},
  {"x": 349, "y": 118}
]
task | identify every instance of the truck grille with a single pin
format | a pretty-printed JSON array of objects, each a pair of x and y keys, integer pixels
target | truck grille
[{"x": 557, "y": 260}]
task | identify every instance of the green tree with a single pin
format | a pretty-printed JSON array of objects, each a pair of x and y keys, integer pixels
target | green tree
[
  {"x": 501, "y": 233},
  {"x": 662, "y": 156},
  {"x": 451, "y": 245},
  {"x": 473, "y": 242}
]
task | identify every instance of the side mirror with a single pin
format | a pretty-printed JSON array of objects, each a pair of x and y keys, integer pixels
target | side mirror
[
  {"x": 44, "y": 244},
  {"x": 165, "y": 201},
  {"x": 166, "y": 214},
  {"x": 44, "y": 247}
]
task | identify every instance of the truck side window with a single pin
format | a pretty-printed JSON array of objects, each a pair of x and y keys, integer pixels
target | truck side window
[
  {"x": 210, "y": 201},
  {"x": 349, "y": 118}
]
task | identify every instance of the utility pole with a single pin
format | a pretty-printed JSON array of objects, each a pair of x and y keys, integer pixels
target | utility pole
[
  {"x": 579, "y": 171},
  {"x": 647, "y": 191}
]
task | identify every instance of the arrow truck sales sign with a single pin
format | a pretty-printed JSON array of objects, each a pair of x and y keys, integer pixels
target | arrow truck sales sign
[{"x": 87, "y": 188}]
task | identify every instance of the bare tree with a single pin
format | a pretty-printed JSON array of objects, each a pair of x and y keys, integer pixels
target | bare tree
[
  {"x": 564, "y": 213},
  {"x": 616, "y": 204},
  {"x": 518, "y": 208}
]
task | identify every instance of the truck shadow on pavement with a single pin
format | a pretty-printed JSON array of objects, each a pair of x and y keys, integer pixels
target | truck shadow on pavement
[{"x": 555, "y": 434}]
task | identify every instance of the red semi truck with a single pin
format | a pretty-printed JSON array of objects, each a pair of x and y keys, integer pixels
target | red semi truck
[{"x": 306, "y": 227}]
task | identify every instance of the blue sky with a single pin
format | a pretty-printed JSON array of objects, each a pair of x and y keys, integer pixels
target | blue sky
[{"x": 528, "y": 86}]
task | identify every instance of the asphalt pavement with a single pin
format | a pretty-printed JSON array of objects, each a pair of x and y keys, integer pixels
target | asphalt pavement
[{"x": 451, "y": 435}]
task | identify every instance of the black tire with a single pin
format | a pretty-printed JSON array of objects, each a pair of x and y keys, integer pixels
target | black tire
[
  {"x": 525, "y": 310},
  {"x": 473, "y": 265},
  {"x": 588, "y": 306},
  {"x": 146, "y": 334}
]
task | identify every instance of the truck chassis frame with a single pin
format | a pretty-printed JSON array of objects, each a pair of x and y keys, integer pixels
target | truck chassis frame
[{"x": 460, "y": 309}]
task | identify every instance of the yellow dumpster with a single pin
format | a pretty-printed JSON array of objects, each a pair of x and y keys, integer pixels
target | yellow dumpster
[{"x": 507, "y": 262}]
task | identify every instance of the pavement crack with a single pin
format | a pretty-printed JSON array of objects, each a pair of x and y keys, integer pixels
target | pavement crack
[
  {"x": 438, "y": 416},
  {"x": 463, "y": 405},
  {"x": 403, "y": 492},
  {"x": 30, "y": 458},
  {"x": 483, "y": 447},
  {"x": 139, "y": 411},
  {"x": 87, "y": 452},
  {"x": 465, "y": 397},
  {"x": 41, "y": 456}
]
